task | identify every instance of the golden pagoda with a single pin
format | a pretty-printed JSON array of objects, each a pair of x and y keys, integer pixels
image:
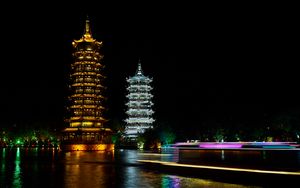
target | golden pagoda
[{"x": 85, "y": 130}]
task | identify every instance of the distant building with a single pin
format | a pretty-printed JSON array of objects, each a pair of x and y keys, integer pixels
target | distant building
[
  {"x": 86, "y": 129},
  {"x": 139, "y": 105}
]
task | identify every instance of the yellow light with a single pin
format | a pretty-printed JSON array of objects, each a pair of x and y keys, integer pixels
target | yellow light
[
  {"x": 220, "y": 168},
  {"x": 78, "y": 147},
  {"x": 91, "y": 147}
]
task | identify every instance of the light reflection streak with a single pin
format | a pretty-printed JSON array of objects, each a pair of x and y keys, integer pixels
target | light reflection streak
[
  {"x": 3, "y": 153},
  {"x": 238, "y": 145},
  {"x": 223, "y": 155},
  {"x": 155, "y": 154},
  {"x": 220, "y": 168},
  {"x": 2, "y": 177},
  {"x": 17, "y": 172}
]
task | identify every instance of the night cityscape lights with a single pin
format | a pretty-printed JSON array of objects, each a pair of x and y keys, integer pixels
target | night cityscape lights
[
  {"x": 139, "y": 105},
  {"x": 86, "y": 129}
]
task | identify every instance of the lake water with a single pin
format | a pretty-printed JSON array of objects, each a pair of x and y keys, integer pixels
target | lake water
[{"x": 21, "y": 167}]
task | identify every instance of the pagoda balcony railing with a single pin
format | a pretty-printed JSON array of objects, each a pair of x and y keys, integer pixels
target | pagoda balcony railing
[
  {"x": 86, "y": 80},
  {"x": 83, "y": 53},
  {"x": 140, "y": 99},
  {"x": 83, "y": 106},
  {"x": 78, "y": 82},
  {"x": 86, "y": 57},
  {"x": 90, "y": 92},
  {"x": 86, "y": 88},
  {"x": 135, "y": 97},
  {"x": 85, "y": 61},
  {"x": 93, "y": 95},
  {"x": 139, "y": 102},
  {"x": 140, "y": 112},
  {"x": 86, "y": 92},
  {"x": 139, "y": 120},
  {"x": 139, "y": 82},
  {"x": 139, "y": 93},
  {"x": 75, "y": 118},
  {"x": 80, "y": 140},
  {"x": 84, "y": 69},
  {"x": 82, "y": 118},
  {"x": 135, "y": 127},
  {"x": 85, "y": 77},
  {"x": 85, "y": 102},
  {"x": 89, "y": 106},
  {"x": 93, "y": 63},
  {"x": 137, "y": 105},
  {"x": 81, "y": 100},
  {"x": 80, "y": 62},
  {"x": 84, "y": 73},
  {"x": 80, "y": 113},
  {"x": 86, "y": 52},
  {"x": 137, "y": 116},
  {"x": 139, "y": 86},
  {"x": 138, "y": 78},
  {"x": 95, "y": 69},
  {"x": 89, "y": 118}
]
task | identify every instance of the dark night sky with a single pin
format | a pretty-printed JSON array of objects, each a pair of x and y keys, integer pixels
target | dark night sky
[{"x": 207, "y": 61}]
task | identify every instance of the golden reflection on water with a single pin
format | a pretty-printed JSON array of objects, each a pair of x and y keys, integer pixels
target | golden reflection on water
[{"x": 88, "y": 169}]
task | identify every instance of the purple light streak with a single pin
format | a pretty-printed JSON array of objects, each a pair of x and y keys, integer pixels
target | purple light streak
[{"x": 220, "y": 145}]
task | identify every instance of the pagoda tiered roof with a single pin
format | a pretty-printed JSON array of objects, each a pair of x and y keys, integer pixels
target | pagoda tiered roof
[
  {"x": 87, "y": 38},
  {"x": 139, "y": 76}
]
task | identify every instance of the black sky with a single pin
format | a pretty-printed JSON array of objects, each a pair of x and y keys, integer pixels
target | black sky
[{"x": 207, "y": 61}]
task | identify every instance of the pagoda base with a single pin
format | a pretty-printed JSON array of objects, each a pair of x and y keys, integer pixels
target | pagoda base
[
  {"x": 87, "y": 147},
  {"x": 87, "y": 139}
]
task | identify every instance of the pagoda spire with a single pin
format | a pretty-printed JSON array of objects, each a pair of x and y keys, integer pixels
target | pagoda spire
[
  {"x": 139, "y": 70},
  {"x": 87, "y": 31}
]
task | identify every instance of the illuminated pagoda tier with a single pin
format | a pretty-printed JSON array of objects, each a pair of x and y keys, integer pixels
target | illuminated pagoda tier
[
  {"x": 139, "y": 105},
  {"x": 86, "y": 129}
]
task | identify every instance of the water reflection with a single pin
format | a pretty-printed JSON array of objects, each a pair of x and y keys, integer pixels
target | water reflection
[
  {"x": 178, "y": 181},
  {"x": 2, "y": 177},
  {"x": 88, "y": 169},
  {"x": 223, "y": 155},
  {"x": 170, "y": 181},
  {"x": 52, "y": 168},
  {"x": 17, "y": 171}
]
